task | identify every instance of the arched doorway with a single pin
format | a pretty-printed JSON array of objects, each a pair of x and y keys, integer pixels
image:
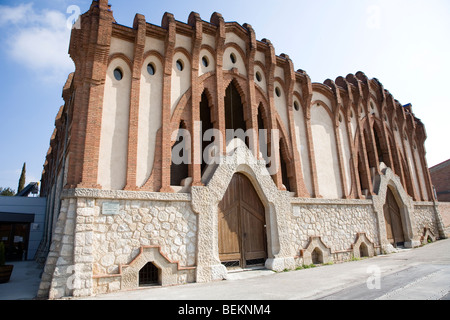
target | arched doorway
[
  {"x": 393, "y": 220},
  {"x": 242, "y": 225}
]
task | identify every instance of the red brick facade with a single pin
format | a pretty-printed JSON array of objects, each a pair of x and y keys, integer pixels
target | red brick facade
[
  {"x": 75, "y": 143},
  {"x": 440, "y": 175}
]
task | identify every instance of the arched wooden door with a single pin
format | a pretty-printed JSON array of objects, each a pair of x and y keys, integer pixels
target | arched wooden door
[
  {"x": 392, "y": 217},
  {"x": 242, "y": 225}
]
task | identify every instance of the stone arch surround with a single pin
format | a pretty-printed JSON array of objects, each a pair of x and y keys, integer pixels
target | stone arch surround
[
  {"x": 205, "y": 202},
  {"x": 387, "y": 179}
]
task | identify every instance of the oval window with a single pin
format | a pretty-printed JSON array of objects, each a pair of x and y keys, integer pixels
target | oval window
[
  {"x": 118, "y": 74},
  {"x": 151, "y": 69},
  {"x": 205, "y": 61},
  {"x": 258, "y": 76},
  {"x": 278, "y": 92},
  {"x": 296, "y": 106},
  {"x": 180, "y": 65},
  {"x": 233, "y": 58}
]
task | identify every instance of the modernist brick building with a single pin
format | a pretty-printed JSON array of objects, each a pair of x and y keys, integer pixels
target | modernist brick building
[{"x": 345, "y": 173}]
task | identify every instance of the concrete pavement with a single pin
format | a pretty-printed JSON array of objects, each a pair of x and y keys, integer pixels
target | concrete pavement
[
  {"x": 24, "y": 282},
  {"x": 421, "y": 273}
]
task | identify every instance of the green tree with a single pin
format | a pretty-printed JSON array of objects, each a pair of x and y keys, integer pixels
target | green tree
[
  {"x": 22, "y": 178},
  {"x": 8, "y": 192}
]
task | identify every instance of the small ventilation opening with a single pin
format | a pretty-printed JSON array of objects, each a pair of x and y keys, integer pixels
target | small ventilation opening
[
  {"x": 149, "y": 275},
  {"x": 363, "y": 250},
  {"x": 316, "y": 256}
]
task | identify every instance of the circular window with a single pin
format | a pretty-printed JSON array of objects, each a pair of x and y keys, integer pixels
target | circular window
[
  {"x": 205, "y": 61},
  {"x": 233, "y": 58},
  {"x": 118, "y": 74},
  {"x": 180, "y": 65},
  {"x": 278, "y": 92},
  {"x": 151, "y": 69},
  {"x": 258, "y": 76},
  {"x": 296, "y": 106}
]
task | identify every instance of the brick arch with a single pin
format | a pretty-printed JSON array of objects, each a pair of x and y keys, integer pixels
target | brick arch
[
  {"x": 241, "y": 87},
  {"x": 121, "y": 56}
]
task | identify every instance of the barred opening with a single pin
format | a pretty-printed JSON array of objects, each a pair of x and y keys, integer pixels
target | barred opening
[
  {"x": 317, "y": 256},
  {"x": 149, "y": 275}
]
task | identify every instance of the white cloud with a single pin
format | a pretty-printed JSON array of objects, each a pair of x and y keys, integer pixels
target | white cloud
[{"x": 39, "y": 40}]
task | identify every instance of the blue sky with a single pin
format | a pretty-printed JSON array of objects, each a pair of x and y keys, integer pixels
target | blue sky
[{"x": 405, "y": 44}]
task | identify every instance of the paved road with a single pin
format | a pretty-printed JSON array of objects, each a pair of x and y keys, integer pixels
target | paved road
[{"x": 422, "y": 273}]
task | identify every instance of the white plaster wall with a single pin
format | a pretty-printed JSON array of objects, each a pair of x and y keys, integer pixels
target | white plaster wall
[
  {"x": 279, "y": 72},
  {"x": 228, "y": 65},
  {"x": 263, "y": 83},
  {"x": 260, "y": 56},
  {"x": 302, "y": 146},
  {"x": 122, "y": 46},
  {"x": 325, "y": 153},
  {"x": 281, "y": 106},
  {"x": 112, "y": 165},
  {"x": 298, "y": 89},
  {"x": 319, "y": 96},
  {"x": 150, "y": 112},
  {"x": 182, "y": 41},
  {"x": 181, "y": 80},
  {"x": 345, "y": 150},
  {"x": 209, "y": 40},
  {"x": 354, "y": 126},
  {"x": 212, "y": 63},
  {"x": 154, "y": 44},
  {"x": 231, "y": 37}
]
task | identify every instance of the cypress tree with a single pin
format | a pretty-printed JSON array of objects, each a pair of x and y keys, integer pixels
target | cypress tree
[{"x": 22, "y": 178}]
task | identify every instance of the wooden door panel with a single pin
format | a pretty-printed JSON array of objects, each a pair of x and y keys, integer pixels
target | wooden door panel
[
  {"x": 254, "y": 236},
  {"x": 394, "y": 226},
  {"x": 229, "y": 235},
  {"x": 387, "y": 219},
  {"x": 241, "y": 223}
]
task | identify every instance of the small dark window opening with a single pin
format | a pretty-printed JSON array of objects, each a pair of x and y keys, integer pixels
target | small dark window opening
[
  {"x": 233, "y": 58},
  {"x": 180, "y": 65},
  {"x": 378, "y": 145},
  {"x": 258, "y": 76},
  {"x": 118, "y": 74},
  {"x": 205, "y": 61},
  {"x": 316, "y": 256},
  {"x": 363, "y": 250},
  {"x": 179, "y": 172},
  {"x": 151, "y": 69},
  {"x": 278, "y": 92},
  {"x": 296, "y": 106},
  {"x": 149, "y": 275},
  {"x": 284, "y": 172},
  {"x": 205, "y": 118}
]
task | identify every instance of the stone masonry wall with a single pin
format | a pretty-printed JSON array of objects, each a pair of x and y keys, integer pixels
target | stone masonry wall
[
  {"x": 118, "y": 238},
  {"x": 336, "y": 222},
  {"x": 425, "y": 217}
]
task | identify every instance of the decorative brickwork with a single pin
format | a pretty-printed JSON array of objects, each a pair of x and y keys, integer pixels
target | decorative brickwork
[{"x": 331, "y": 152}]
